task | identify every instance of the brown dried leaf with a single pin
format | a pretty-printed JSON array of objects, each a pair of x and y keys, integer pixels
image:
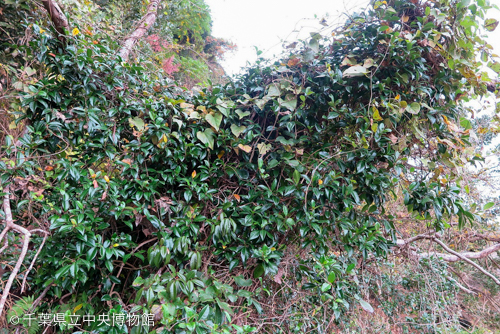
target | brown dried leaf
[
  {"x": 279, "y": 275},
  {"x": 393, "y": 138}
]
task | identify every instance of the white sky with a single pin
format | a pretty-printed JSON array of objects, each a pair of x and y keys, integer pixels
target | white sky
[{"x": 266, "y": 23}]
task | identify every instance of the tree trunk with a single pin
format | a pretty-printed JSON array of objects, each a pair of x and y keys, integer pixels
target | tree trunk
[
  {"x": 57, "y": 16},
  {"x": 146, "y": 22}
]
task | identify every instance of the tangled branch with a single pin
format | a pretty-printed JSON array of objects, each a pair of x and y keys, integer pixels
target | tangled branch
[{"x": 452, "y": 256}]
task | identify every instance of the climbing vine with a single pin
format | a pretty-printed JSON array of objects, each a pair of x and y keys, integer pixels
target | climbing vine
[{"x": 196, "y": 206}]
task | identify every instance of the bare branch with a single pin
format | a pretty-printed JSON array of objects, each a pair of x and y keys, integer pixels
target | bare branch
[
  {"x": 10, "y": 225},
  {"x": 466, "y": 255},
  {"x": 466, "y": 259},
  {"x": 145, "y": 23},
  {"x": 460, "y": 286},
  {"x": 2, "y": 236},
  {"x": 455, "y": 256}
]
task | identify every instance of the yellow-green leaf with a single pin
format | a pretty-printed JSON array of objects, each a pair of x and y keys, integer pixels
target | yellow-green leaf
[
  {"x": 137, "y": 122},
  {"x": 376, "y": 114},
  {"x": 245, "y": 148},
  {"x": 214, "y": 120},
  {"x": 237, "y": 130},
  {"x": 263, "y": 148},
  {"x": 490, "y": 24},
  {"x": 77, "y": 307}
]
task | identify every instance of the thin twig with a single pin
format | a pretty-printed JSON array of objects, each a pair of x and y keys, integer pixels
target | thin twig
[
  {"x": 39, "y": 299},
  {"x": 32, "y": 263}
]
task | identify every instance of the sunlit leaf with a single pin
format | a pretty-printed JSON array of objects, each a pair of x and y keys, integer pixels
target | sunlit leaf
[
  {"x": 368, "y": 63},
  {"x": 355, "y": 71},
  {"x": 137, "y": 122},
  {"x": 242, "y": 114},
  {"x": 214, "y": 120},
  {"x": 290, "y": 102},
  {"x": 274, "y": 90},
  {"x": 413, "y": 108},
  {"x": 245, "y": 148},
  {"x": 237, "y": 130},
  {"x": 206, "y": 137},
  {"x": 263, "y": 148}
]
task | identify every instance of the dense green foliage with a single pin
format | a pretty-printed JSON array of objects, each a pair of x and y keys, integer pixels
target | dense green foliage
[{"x": 186, "y": 205}]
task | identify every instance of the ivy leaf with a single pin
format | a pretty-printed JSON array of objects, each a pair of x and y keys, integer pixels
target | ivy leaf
[
  {"x": 347, "y": 61},
  {"x": 261, "y": 102},
  {"x": 242, "y": 282},
  {"x": 263, "y": 148},
  {"x": 290, "y": 102},
  {"x": 284, "y": 141},
  {"x": 224, "y": 111},
  {"x": 368, "y": 63},
  {"x": 206, "y": 137},
  {"x": 495, "y": 66},
  {"x": 402, "y": 106},
  {"x": 237, "y": 130},
  {"x": 413, "y": 108},
  {"x": 241, "y": 113},
  {"x": 29, "y": 71},
  {"x": 355, "y": 71},
  {"x": 274, "y": 90},
  {"x": 214, "y": 120},
  {"x": 137, "y": 122},
  {"x": 245, "y": 148},
  {"x": 314, "y": 45}
]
